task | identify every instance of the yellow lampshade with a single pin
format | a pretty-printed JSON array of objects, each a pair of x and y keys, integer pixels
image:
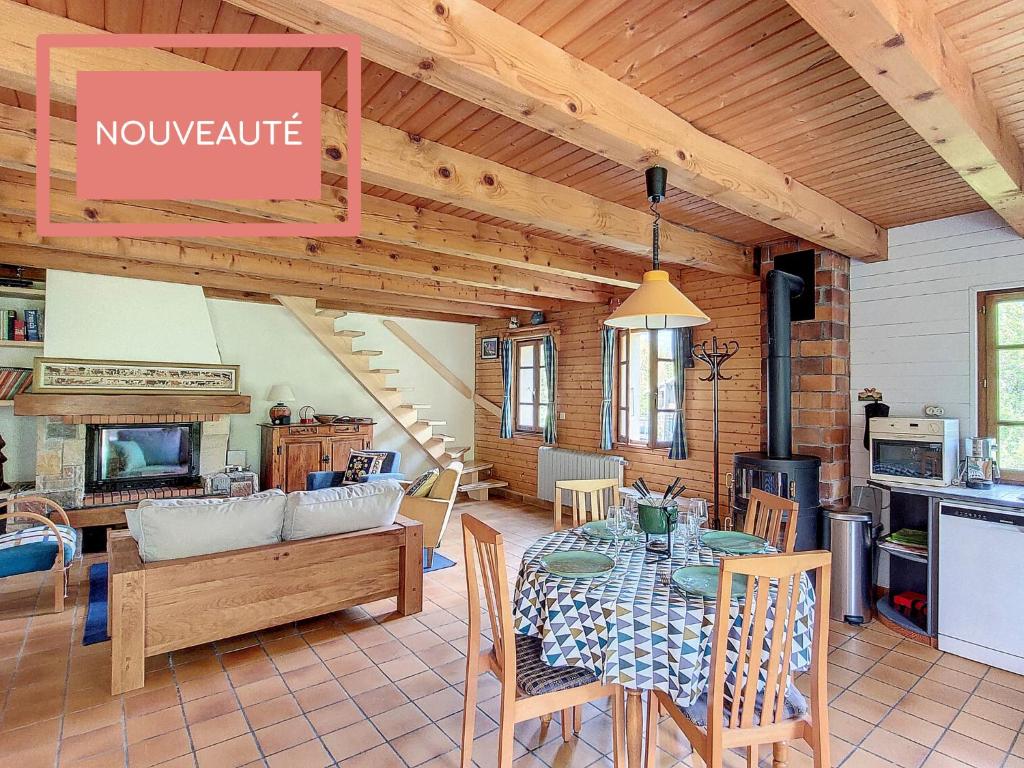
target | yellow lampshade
[{"x": 657, "y": 304}]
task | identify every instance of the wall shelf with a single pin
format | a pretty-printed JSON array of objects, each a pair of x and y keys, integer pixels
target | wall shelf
[
  {"x": 13, "y": 343},
  {"x": 14, "y": 292}
]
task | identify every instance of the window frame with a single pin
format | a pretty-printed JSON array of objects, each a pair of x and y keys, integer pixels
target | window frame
[
  {"x": 622, "y": 371},
  {"x": 988, "y": 406},
  {"x": 537, "y": 342}
]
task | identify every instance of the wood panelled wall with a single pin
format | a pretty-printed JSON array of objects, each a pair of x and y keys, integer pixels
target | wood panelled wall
[{"x": 734, "y": 306}]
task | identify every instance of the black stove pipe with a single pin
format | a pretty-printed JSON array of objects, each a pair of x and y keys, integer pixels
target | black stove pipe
[{"x": 782, "y": 286}]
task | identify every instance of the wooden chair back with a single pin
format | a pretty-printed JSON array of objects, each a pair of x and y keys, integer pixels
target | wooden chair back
[
  {"x": 776, "y": 582},
  {"x": 486, "y": 572},
  {"x": 590, "y": 499},
  {"x": 768, "y": 515}
]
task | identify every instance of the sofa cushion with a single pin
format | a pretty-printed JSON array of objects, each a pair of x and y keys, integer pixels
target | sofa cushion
[
  {"x": 421, "y": 486},
  {"x": 167, "y": 529},
  {"x": 362, "y": 463},
  {"x": 35, "y": 549},
  {"x": 341, "y": 510}
]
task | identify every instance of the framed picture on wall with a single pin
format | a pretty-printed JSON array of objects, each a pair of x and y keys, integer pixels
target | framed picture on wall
[
  {"x": 489, "y": 348},
  {"x": 69, "y": 376}
]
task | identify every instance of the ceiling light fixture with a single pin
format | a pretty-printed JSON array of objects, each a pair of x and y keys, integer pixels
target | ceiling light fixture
[{"x": 656, "y": 304}]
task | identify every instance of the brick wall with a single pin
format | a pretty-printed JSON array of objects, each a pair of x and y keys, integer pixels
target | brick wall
[{"x": 821, "y": 371}]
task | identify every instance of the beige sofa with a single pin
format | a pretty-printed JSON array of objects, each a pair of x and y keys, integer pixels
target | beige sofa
[
  {"x": 435, "y": 509},
  {"x": 180, "y": 577}
]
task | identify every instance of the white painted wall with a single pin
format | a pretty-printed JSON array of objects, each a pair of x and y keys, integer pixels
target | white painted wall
[
  {"x": 118, "y": 318},
  {"x": 272, "y": 347},
  {"x": 913, "y": 321}
]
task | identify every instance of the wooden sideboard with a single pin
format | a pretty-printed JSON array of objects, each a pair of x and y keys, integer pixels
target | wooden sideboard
[{"x": 290, "y": 452}]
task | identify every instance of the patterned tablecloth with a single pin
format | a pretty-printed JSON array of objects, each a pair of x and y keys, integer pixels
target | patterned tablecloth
[{"x": 632, "y": 627}]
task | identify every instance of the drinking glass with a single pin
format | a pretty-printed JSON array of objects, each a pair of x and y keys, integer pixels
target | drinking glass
[
  {"x": 696, "y": 517},
  {"x": 615, "y": 520}
]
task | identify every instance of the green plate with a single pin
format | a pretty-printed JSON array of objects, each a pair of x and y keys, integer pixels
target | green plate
[
  {"x": 734, "y": 542},
  {"x": 598, "y": 529},
  {"x": 578, "y": 564},
  {"x": 703, "y": 580}
]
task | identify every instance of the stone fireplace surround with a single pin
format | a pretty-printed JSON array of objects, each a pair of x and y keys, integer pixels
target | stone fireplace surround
[{"x": 60, "y": 456}]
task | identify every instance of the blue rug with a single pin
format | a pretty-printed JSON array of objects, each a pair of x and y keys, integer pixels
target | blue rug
[
  {"x": 96, "y": 613},
  {"x": 440, "y": 562}
]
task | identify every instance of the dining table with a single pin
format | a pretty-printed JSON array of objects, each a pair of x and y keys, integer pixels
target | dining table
[{"x": 631, "y": 626}]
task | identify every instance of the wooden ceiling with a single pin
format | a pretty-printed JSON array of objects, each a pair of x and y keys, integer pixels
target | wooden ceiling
[{"x": 750, "y": 73}]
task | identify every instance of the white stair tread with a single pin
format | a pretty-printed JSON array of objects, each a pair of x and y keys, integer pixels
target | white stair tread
[
  {"x": 350, "y": 334},
  {"x": 335, "y": 313},
  {"x": 483, "y": 485},
  {"x": 384, "y": 371},
  {"x": 476, "y": 467},
  {"x": 456, "y": 452},
  {"x": 432, "y": 423},
  {"x": 398, "y": 389},
  {"x": 367, "y": 352},
  {"x": 414, "y": 406},
  {"x": 443, "y": 438}
]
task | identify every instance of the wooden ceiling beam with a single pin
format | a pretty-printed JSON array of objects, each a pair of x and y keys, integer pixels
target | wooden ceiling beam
[
  {"x": 71, "y": 261},
  {"x": 466, "y": 49},
  {"x": 393, "y": 159},
  {"x": 902, "y": 50},
  {"x": 384, "y": 221},
  {"x": 270, "y": 256},
  {"x": 368, "y": 308}
]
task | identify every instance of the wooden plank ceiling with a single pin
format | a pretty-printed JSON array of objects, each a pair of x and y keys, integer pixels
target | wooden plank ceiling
[{"x": 748, "y": 72}]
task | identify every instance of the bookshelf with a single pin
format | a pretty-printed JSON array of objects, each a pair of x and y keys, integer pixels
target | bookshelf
[
  {"x": 13, "y": 343},
  {"x": 28, "y": 294}
]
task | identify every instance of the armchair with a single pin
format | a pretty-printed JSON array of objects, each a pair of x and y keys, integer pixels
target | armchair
[
  {"x": 435, "y": 509},
  {"x": 388, "y": 471},
  {"x": 40, "y": 547}
]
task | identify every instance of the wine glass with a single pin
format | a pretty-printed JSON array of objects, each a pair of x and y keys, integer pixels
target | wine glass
[{"x": 696, "y": 517}]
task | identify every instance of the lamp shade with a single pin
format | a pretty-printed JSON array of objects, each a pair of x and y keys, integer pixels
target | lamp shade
[
  {"x": 281, "y": 393},
  {"x": 655, "y": 305}
]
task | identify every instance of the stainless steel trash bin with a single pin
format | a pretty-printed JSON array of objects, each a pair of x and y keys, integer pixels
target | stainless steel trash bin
[{"x": 849, "y": 534}]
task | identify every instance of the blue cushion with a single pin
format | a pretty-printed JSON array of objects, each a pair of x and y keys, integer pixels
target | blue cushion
[{"x": 34, "y": 549}]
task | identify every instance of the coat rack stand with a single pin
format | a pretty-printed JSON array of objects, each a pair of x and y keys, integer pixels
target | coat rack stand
[{"x": 715, "y": 356}]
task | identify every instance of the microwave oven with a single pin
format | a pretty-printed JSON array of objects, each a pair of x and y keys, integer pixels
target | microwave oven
[{"x": 914, "y": 451}]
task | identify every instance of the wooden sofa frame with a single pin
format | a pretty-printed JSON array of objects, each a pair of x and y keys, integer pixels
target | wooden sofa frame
[{"x": 165, "y": 606}]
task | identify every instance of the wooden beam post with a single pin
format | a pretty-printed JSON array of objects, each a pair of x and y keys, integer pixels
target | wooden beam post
[{"x": 902, "y": 50}]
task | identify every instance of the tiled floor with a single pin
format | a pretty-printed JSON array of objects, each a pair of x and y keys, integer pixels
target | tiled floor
[{"x": 363, "y": 688}]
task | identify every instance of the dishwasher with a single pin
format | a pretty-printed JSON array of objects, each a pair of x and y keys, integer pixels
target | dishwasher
[{"x": 981, "y": 550}]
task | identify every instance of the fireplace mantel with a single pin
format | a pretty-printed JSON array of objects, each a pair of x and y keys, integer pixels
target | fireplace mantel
[{"x": 30, "y": 404}]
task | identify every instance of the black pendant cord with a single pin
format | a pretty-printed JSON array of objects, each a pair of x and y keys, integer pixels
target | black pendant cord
[
  {"x": 656, "y": 236},
  {"x": 715, "y": 357}
]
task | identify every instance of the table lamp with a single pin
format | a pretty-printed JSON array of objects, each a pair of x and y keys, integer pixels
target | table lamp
[{"x": 280, "y": 413}]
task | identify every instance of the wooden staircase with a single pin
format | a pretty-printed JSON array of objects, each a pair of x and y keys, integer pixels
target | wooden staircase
[
  {"x": 476, "y": 487},
  {"x": 358, "y": 362}
]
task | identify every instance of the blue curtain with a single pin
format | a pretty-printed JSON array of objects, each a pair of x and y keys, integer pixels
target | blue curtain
[
  {"x": 506, "y": 377},
  {"x": 607, "y": 385},
  {"x": 549, "y": 372},
  {"x": 682, "y": 348}
]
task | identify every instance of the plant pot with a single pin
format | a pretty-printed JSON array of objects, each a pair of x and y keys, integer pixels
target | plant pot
[{"x": 657, "y": 521}]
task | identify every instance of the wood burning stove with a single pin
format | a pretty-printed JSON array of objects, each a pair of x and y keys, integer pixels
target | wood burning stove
[{"x": 778, "y": 470}]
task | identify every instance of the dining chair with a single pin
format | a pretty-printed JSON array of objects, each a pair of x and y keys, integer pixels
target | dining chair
[
  {"x": 766, "y": 515},
  {"x": 751, "y": 714},
  {"x": 589, "y": 499},
  {"x": 40, "y": 547},
  {"x": 529, "y": 687}
]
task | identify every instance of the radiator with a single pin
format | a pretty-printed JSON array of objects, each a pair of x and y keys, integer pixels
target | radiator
[{"x": 554, "y": 464}]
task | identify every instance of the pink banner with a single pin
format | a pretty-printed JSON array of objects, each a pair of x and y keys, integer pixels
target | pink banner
[{"x": 198, "y": 135}]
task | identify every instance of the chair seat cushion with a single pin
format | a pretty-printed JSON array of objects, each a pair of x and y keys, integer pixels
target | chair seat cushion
[
  {"x": 34, "y": 549},
  {"x": 795, "y": 705},
  {"x": 534, "y": 677}
]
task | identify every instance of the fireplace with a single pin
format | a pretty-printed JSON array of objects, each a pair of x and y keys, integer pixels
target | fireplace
[{"x": 123, "y": 457}]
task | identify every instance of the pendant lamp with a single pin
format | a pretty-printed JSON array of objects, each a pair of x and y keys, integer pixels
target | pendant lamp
[{"x": 656, "y": 304}]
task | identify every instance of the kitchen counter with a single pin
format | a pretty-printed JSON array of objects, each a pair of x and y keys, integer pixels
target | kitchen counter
[{"x": 999, "y": 495}]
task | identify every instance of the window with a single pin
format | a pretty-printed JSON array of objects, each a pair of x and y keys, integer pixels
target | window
[
  {"x": 646, "y": 388},
  {"x": 531, "y": 386},
  {"x": 1001, "y": 390}
]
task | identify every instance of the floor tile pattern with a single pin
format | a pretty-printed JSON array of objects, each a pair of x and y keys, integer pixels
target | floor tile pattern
[{"x": 364, "y": 688}]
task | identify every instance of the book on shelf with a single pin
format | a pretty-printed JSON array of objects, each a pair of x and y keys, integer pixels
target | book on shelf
[
  {"x": 14, "y": 381},
  {"x": 32, "y": 325},
  {"x": 28, "y": 328}
]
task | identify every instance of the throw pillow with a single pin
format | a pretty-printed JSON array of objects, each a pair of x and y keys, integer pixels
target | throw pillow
[
  {"x": 363, "y": 463},
  {"x": 421, "y": 485}
]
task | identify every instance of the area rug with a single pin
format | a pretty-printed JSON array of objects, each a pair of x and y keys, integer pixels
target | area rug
[
  {"x": 96, "y": 612},
  {"x": 440, "y": 562}
]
